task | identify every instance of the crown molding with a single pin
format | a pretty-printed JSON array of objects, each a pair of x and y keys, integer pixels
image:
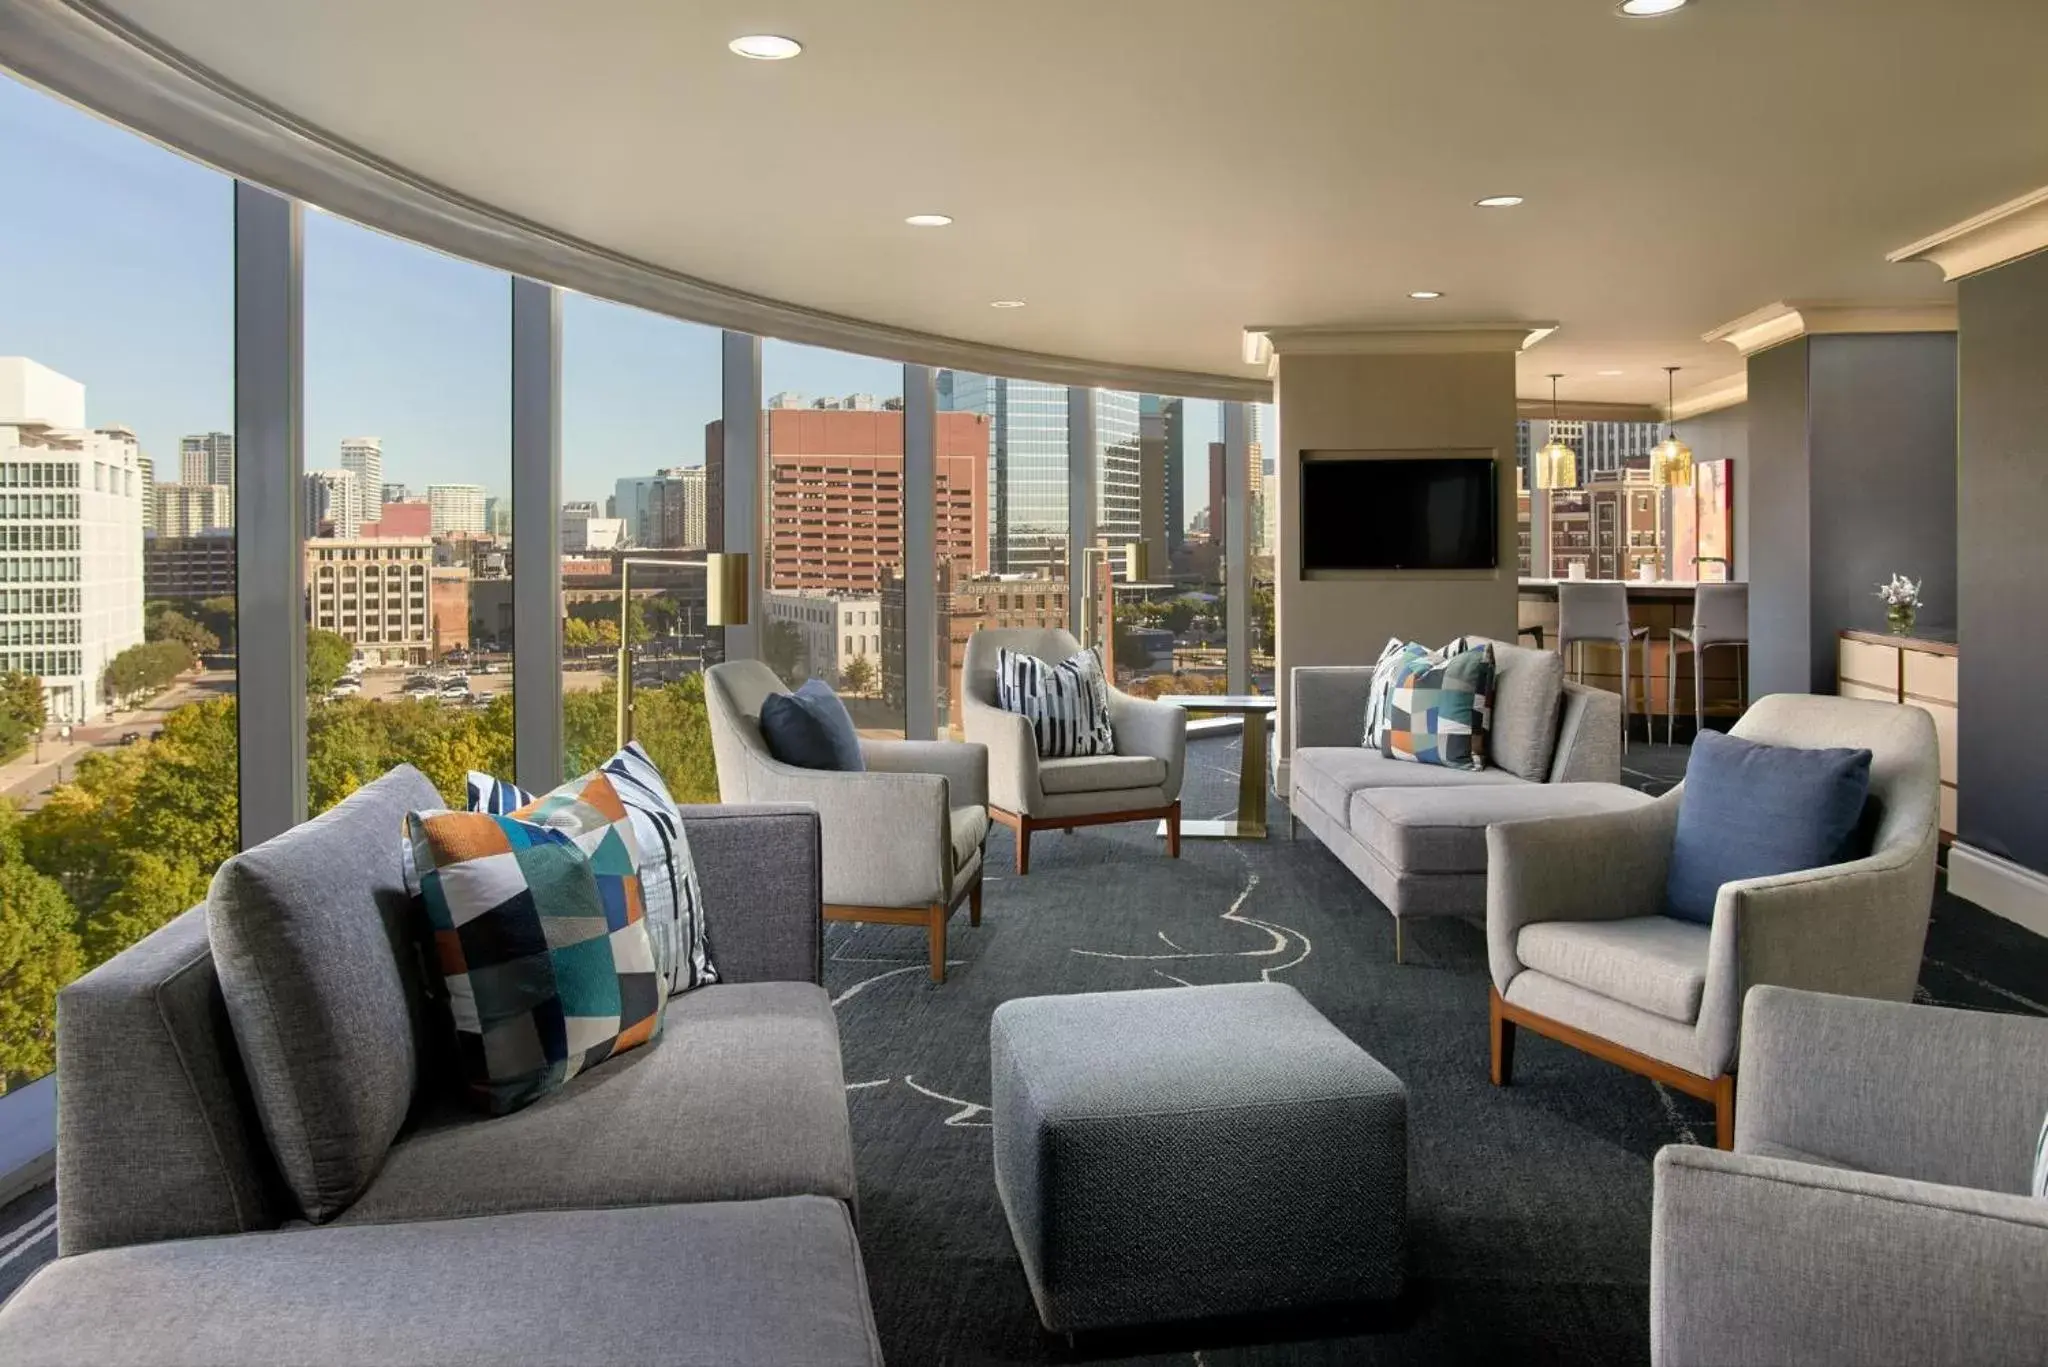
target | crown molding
[
  {"x": 1775, "y": 324},
  {"x": 92, "y": 58},
  {"x": 1713, "y": 397},
  {"x": 1265, "y": 345},
  {"x": 2016, "y": 228}
]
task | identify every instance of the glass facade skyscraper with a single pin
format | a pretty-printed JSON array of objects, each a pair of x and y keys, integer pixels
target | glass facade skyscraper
[
  {"x": 1119, "y": 474},
  {"x": 1027, "y": 475}
]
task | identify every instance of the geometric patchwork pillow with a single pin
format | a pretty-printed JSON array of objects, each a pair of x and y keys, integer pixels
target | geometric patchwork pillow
[
  {"x": 540, "y": 936},
  {"x": 668, "y": 875},
  {"x": 1437, "y": 712},
  {"x": 1385, "y": 671}
]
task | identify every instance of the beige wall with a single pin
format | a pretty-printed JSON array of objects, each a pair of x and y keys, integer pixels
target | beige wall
[{"x": 1429, "y": 402}]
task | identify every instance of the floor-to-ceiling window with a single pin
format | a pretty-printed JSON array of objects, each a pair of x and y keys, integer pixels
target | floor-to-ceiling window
[
  {"x": 832, "y": 443},
  {"x": 1001, "y": 540},
  {"x": 117, "y": 554},
  {"x": 1262, "y": 646},
  {"x": 640, "y": 439},
  {"x": 409, "y": 548}
]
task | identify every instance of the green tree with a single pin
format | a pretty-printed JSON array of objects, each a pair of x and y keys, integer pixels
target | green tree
[
  {"x": 217, "y": 615},
  {"x": 782, "y": 648},
  {"x": 149, "y": 668},
  {"x": 39, "y": 953},
  {"x": 858, "y": 677},
  {"x": 327, "y": 657},
  {"x": 22, "y": 712},
  {"x": 578, "y": 634},
  {"x": 162, "y": 622}
]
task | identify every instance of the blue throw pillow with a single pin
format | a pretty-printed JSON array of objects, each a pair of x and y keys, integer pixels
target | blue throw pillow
[
  {"x": 1750, "y": 810},
  {"x": 810, "y": 728}
]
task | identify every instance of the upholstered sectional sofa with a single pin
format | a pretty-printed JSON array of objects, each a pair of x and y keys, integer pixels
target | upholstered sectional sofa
[
  {"x": 1415, "y": 834},
  {"x": 691, "y": 1201}
]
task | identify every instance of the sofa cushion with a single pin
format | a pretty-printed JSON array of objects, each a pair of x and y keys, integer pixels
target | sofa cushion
[
  {"x": 1443, "y": 829},
  {"x": 1654, "y": 963},
  {"x": 1528, "y": 690},
  {"x": 1100, "y": 773},
  {"x": 742, "y": 1097},
  {"x": 540, "y": 935},
  {"x": 811, "y": 729},
  {"x": 318, "y": 950},
  {"x": 1329, "y": 775},
  {"x": 754, "y": 1282},
  {"x": 1749, "y": 810}
]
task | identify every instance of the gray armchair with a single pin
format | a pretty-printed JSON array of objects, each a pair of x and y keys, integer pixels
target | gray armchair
[
  {"x": 1875, "y": 1209},
  {"x": 1580, "y": 953},
  {"x": 903, "y": 841},
  {"x": 1140, "y": 782}
]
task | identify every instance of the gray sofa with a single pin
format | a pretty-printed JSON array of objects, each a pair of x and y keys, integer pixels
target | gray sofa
[
  {"x": 1415, "y": 834},
  {"x": 1875, "y": 1208},
  {"x": 690, "y": 1201}
]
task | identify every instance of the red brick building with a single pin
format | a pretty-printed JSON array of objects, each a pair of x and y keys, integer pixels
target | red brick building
[{"x": 835, "y": 496}]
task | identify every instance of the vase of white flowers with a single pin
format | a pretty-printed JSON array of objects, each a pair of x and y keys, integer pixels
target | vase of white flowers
[{"x": 1901, "y": 603}]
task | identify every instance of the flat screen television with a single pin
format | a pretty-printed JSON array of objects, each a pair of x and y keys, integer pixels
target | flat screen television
[{"x": 1399, "y": 513}]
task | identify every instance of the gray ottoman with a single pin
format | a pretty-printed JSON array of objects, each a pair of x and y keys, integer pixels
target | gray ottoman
[{"x": 1194, "y": 1151}]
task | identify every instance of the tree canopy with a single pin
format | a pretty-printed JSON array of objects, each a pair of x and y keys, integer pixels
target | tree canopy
[
  {"x": 140, "y": 671},
  {"x": 163, "y": 622},
  {"x": 327, "y": 657}
]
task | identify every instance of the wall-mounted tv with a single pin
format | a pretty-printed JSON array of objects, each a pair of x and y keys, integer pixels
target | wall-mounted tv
[{"x": 1364, "y": 512}]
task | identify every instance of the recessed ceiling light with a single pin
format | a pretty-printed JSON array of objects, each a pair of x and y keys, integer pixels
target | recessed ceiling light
[
  {"x": 1425, "y": 294},
  {"x": 765, "y": 47},
  {"x": 928, "y": 220},
  {"x": 1006, "y": 304},
  {"x": 1650, "y": 9},
  {"x": 1500, "y": 201},
  {"x": 1610, "y": 373}
]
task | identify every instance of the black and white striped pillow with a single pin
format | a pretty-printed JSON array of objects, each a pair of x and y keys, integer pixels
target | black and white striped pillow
[{"x": 1067, "y": 704}]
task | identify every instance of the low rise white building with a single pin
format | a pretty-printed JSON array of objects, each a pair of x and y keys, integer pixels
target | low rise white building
[
  {"x": 836, "y": 629},
  {"x": 71, "y": 522}
]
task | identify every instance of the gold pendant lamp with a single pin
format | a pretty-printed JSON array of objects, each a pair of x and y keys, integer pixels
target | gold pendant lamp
[
  {"x": 1557, "y": 465},
  {"x": 1670, "y": 459}
]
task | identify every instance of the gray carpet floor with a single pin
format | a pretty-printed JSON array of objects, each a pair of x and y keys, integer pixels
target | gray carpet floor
[{"x": 1529, "y": 1206}]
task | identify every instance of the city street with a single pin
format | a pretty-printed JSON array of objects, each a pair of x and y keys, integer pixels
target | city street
[{"x": 28, "y": 779}]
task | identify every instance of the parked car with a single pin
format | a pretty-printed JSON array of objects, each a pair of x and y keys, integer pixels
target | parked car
[
  {"x": 421, "y": 691},
  {"x": 130, "y": 737}
]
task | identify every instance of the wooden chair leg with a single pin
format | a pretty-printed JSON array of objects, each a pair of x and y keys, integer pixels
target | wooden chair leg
[
  {"x": 937, "y": 929},
  {"x": 1503, "y": 1032},
  {"x": 1173, "y": 831},
  {"x": 974, "y": 904},
  {"x": 1023, "y": 845},
  {"x": 1724, "y": 1111}
]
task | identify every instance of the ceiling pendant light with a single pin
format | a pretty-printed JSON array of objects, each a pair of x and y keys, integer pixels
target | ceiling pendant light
[
  {"x": 1670, "y": 459},
  {"x": 1557, "y": 465}
]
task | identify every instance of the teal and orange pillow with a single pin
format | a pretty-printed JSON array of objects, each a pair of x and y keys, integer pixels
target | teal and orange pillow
[
  {"x": 1439, "y": 708},
  {"x": 539, "y": 933}
]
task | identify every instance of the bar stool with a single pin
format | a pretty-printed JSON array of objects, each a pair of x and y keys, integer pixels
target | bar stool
[
  {"x": 1599, "y": 612},
  {"x": 1720, "y": 617}
]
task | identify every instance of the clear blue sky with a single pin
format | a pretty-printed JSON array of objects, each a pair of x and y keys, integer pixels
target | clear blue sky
[{"x": 116, "y": 269}]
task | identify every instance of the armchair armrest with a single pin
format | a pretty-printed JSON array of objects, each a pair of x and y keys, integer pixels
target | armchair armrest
[
  {"x": 761, "y": 871},
  {"x": 1914, "y": 1091},
  {"x": 1762, "y": 1260},
  {"x": 1326, "y": 705},
  {"x": 1588, "y": 736},
  {"x": 1012, "y": 755},
  {"x": 1602, "y": 866},
  {"x": 1155, "y": 729},
  {"x": 963, "y": 764}
]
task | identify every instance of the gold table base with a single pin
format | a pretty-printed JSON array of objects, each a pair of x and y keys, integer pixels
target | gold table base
[{"x": 1250, "y": 822}]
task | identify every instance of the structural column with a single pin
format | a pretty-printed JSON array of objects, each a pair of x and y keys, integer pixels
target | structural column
[
  {"x": 1080, "y": 503},
  {"x": 740, "y": 479},
  {"x": 1237, "y": 549},
  {"x": 1369, "y": 392},
  {"x": 920, "y": 552},
  {"x": 537, "y": 534},
  {"x": 270, "y": 562}
]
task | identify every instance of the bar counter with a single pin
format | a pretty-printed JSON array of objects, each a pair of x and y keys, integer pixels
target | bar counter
[{"x": 1659, "y": 604}]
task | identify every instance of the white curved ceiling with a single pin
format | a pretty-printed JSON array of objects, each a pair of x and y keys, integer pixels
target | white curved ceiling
[{"x": 1153, "y": 175}]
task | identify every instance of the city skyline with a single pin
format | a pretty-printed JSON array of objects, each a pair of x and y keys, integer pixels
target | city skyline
[{"x": 401, "y": 342}]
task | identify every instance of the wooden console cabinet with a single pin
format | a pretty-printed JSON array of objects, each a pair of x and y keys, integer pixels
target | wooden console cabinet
[{"x": 1914, "y": 672}]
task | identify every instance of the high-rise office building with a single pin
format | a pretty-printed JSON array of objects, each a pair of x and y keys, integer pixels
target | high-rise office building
[
  {"x": 666, "y": 509},
  {"x": 70, "y": 539},
  {"x": 334, "y": 504},
  {"x": 365, "y": 456},
  {"x": 395, "y": 493},
  {"x": 206, "y": 458},
  {"x": 1027, "y": 467},
  {"x": 148, "y": 492},
  {"x": 498, "y": 516},
  {"x": 1119, "y": 474},
  {"x": 191, "y": 567},
  {"x": 1163, "y": 421},
  {"x": 457, "y": 508},
  {"x": 192, "y": 509},
  {"x": 835, "y": 496}
]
